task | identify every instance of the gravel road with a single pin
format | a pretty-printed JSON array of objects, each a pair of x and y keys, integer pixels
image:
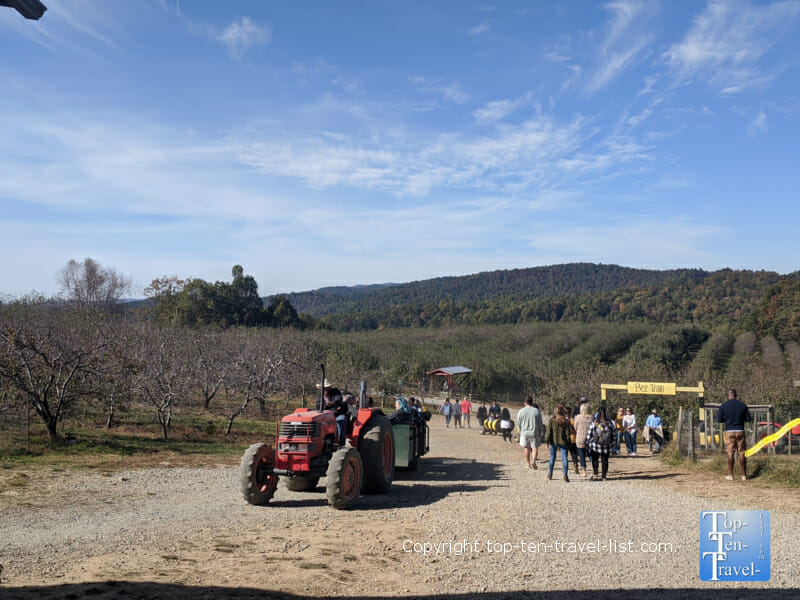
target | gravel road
[{"x": 464, "y": 516}]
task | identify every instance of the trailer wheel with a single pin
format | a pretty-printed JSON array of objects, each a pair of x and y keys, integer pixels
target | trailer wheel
[
  {"x": 257, "y": 480},
  {"x": 301, "y": 484},
  {"x": 345, "y": 478},
  {"x": 377, "y": 452}
]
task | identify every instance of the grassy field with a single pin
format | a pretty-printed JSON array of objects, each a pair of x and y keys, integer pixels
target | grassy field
[
  {"x": 136, "y": 442},
  {"x": 762, "y": 469}
]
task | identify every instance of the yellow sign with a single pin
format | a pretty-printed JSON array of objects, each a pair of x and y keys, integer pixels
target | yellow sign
[{"x": 658, "y": 389}]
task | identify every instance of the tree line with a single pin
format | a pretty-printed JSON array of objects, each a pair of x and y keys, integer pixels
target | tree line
[{"x": 725, "y": 298}]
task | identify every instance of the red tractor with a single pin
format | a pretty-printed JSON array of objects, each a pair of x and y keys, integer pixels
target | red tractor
[{"x": 307, "y": 449}]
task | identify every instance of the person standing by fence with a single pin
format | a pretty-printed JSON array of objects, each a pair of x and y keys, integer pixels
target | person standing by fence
[{"x": 734, "y": 414}]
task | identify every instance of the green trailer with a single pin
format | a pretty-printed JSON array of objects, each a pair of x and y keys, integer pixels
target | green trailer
[{"x": 411, "y": 441}]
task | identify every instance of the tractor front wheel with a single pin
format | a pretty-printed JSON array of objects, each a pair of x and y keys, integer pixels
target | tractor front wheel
[
  {"x": 345, "y": 478},
  {"x": 257, "y": 478}
]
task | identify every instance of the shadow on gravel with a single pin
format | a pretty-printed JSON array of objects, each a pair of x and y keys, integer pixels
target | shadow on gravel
[
  {"x": 452, "y": 469},
  {"x": 419, "y": 494},
  {"x": 430, "y": 484},
  {"x": 145, "y": 590},
  {"x": 648, "y": 476}
]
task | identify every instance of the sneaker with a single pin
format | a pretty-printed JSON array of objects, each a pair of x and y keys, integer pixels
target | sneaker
[
  {"x": 744, "y": 477},
  {"x": 729, "y": 477}
]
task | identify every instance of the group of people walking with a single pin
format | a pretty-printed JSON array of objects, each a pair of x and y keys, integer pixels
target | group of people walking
[
  {"x": 457, "y": 412},
  {"x": 585, "y": 438},
  {"x": 578, "y": 434}
]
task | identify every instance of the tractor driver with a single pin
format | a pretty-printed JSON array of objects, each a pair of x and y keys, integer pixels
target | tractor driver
[{"x": 332, "y": 400}]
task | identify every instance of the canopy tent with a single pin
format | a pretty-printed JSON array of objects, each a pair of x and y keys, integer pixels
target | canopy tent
[{"x": 455, "y": 378}]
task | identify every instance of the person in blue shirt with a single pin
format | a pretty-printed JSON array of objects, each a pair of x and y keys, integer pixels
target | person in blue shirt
[
  {"x": 494, "y": 410},
  {"x": 734, "y": 414},
  {"x": 654, "y": 423},
  {"x": 447, "y": 410}
]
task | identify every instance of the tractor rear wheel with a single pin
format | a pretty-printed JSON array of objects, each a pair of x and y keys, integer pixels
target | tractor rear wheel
[
  {"x": 345, "y": 478},
  {"x": 301, "y": 484},
  {"x": 257, "y": 479},
  {"x": 377, "y": 452}
]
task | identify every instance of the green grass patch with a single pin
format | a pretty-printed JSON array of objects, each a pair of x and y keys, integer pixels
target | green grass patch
[
  {"x": 195, "y": 440},
  {"x": 780, "y": 470}
]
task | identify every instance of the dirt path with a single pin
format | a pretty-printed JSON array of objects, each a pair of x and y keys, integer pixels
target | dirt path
[{"x": 179, "y": 532}]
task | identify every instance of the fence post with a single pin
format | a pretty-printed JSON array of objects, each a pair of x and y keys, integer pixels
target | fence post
[
  {"x": 790, "y": 442},
  {"x": 691, "y": 436},
  {"x": 679, "y": 428}
]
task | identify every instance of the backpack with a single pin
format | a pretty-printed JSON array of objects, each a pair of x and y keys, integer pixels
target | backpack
[{"x": 602, "y": 434}]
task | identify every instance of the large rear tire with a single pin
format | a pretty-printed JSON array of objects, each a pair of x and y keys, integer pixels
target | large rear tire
[
  {"x": 257, "y": 479},
  {"x": 301, "y": 484},
  {"x": 377, "y": 452},
  {"x": 345, "y": 478}
]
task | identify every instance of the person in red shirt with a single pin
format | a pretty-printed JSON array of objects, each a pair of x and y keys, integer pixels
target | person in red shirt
[{"x": 466, "y": 409}]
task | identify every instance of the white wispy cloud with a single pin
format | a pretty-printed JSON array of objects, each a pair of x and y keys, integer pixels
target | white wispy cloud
[
  {"x": 562, "y": 55},
  {"x": 624, "y": 42},
  {"x": 728, "y": 40},
  {"x": 451, "y": 92},
  {"x": 539, "y": 153},
  {"x": 758, "y": 124},
  {"x": 479, "y": 29},
  {"x": 499, "y": 109},
  {"x": 239, "y": 36},
  {"x": 243, "y": 35}
]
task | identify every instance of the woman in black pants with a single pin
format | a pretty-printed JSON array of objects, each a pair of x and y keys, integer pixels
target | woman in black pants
[{"x": 600, "y": 441}]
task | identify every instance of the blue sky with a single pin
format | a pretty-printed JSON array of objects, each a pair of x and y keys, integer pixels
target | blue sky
[{"x": 338, "y": 143}]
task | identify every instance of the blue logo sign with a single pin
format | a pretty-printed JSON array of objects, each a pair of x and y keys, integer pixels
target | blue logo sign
[{"x": 734, "y": 545}]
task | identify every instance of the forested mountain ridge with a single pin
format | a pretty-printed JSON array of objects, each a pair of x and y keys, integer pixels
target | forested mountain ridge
[
  {"x": 572, "y": 278},
  {"x": 574, "y": 292}
]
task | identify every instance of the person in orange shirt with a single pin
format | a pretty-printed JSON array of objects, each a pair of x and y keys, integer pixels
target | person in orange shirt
[{"x": 466, "y": 409}]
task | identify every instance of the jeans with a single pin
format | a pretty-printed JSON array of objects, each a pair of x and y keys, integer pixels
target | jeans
[
  {"x": 603, "y": 459},
  {"x": 582, "y": 457},
  {"x": 619, "y": 442},
  {"x": 564, "y": 458},
  {"x": 630, "y": 441},
  {"x": 341, "y": 428},
  {"x": 654, "y": 437},
  {"x": 447, "y": 420}
]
